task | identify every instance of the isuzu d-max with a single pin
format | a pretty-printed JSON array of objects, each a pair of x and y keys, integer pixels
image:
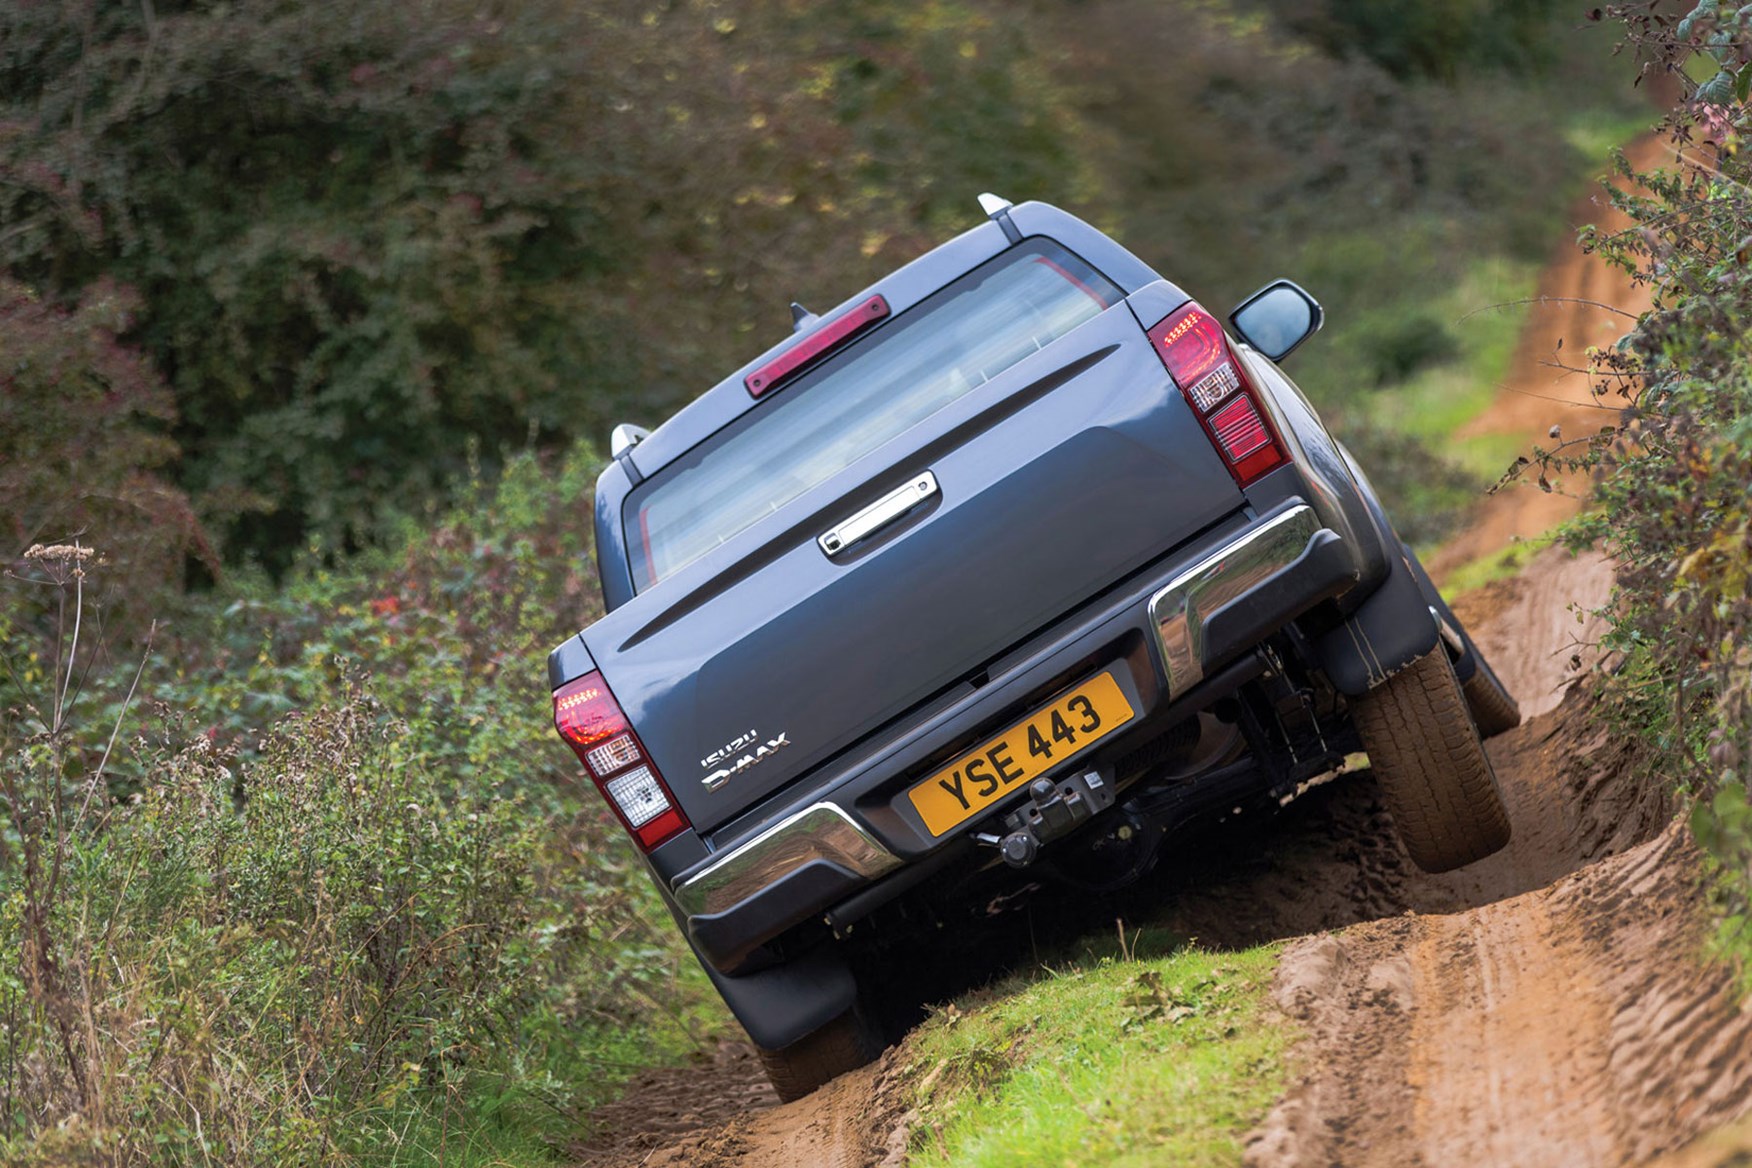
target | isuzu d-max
[{"x": 1004, "y": 566}]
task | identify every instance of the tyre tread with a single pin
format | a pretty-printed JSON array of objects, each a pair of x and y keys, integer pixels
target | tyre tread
[
  {"x": 1493, "y": 710},
  {"x": 1430, "y": 763},
  {"x": 842, "y": 1045}
]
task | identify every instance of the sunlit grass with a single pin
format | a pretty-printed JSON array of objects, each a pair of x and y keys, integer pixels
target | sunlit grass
[
  {"x": 1165, "y": 1059},
  {"x": 529, "y": 1118},
  {"x": 1485, "y": 314},
  {"x": 1594, "y": 131},
  {"x": 1501, "y": 564}
]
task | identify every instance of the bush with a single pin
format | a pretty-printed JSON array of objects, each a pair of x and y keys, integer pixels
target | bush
[
  {"x": 84, "y": 440},
  {"x": 1400, "y": 347},
  {"x": 1676, "y": 512},
  {"x": 338, "y": 217},
  {"x": 371, "y": 238},
  {"x": 246, "y": 963},
  {"x": 1434, "y": 38},
  {"x": 369, "y": 235}
]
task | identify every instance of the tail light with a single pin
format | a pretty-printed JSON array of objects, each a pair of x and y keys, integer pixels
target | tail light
[
  {"x": 591, "y": 721},
  {"x": 1194, "y": 348}
]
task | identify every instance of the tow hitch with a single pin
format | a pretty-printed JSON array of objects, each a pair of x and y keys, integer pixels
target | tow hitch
[{"x": 1054, "y": 809}]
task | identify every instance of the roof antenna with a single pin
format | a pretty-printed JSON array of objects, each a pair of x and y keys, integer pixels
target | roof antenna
[
  {"x": 997, "y": 209},
  {"x": 801, "y": 318}
]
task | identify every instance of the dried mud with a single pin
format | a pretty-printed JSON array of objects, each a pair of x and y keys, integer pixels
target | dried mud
[{"x": 723, "y": 1114}]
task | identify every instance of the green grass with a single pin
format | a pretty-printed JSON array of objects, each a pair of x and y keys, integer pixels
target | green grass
[
  {"x": 1169, "y": 1059},
  {"x": 1485, "y": 317},
  {"x": 1502, "y": 564},
  {"x": 1596, "y": 130},
  {"x": 526, "y": 1120}
]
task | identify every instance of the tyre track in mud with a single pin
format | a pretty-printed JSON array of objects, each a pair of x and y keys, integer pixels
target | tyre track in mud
[
  {"x": 1570, "y": 1025},
  {"x": 724, "y": 1114}
]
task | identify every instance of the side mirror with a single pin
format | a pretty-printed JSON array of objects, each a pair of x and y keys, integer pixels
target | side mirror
[{"x": 1277, "y": 318}]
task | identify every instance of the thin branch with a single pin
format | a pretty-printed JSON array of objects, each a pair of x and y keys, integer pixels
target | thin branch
[
  {"x": 73, "y": 645},
  {"x": 1549, "y": 300}
]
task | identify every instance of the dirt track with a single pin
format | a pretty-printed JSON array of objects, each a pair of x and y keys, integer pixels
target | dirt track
[
  {"x": 1542, "y": 1007},
  {"x": 1547, "y": 1005}
]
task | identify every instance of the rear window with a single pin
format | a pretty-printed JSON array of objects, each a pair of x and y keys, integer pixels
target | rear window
[{"x": 879, "y": 386}]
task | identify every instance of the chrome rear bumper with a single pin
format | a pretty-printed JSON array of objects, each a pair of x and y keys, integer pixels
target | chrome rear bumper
[
  {"x": 1179, "y": 611},
  {"x": 819, "y": 832}
]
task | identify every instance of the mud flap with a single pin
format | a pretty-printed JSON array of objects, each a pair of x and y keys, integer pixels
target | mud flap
[
  {"x": 1392, "y": 629},
  {"x": 1466, "y": 663},
  {"x": 782, "y": 1003}
]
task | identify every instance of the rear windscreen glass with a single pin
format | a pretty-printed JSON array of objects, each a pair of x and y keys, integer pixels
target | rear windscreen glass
[{"x": 859, "y": 398}]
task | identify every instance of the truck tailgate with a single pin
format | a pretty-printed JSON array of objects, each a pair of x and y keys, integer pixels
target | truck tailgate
[{"x": 1074, "y": 467}]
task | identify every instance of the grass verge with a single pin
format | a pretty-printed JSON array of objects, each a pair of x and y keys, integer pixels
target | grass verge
[
  {"x": 1168, "y": 1059},
  {"x": 1501, "y": 564},
  {"x": 1485, "y": 314}
]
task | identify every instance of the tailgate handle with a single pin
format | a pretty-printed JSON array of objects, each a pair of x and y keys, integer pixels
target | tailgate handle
[{"x": 878, "y": 515}]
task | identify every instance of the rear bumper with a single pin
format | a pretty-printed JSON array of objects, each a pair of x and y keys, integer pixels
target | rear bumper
[
  {"x": 819, "y": 834},
  {"x": 1214, "y": 607},
  {"x": 1243, "y": 591}
]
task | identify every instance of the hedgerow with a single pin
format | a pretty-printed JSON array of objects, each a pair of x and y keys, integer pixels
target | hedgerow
[{"x": 1675, "y": 482}]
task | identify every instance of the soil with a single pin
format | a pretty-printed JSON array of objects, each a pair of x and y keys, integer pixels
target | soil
[
  {"x": 1548, "y": 1005},
  {"x": 723, "y": 1114}
]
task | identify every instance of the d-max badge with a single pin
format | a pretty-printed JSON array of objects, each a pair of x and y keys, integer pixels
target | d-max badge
[{"x": 749, "y": 758}]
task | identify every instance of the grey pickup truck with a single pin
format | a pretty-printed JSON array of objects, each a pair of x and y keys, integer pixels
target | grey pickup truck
[{"x": 1003, "y": 568}]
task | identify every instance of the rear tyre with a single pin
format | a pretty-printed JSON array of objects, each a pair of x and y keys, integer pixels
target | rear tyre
[
  {"x": 1492, "y": 709},
  {"x": 844, "y": 1044},
  {"x": 1431, "y": 765}
]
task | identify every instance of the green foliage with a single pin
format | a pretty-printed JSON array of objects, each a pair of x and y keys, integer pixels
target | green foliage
[
  {"x": 1398, "y": 348},
  {"x": 83, "y": 437},
  {"x": 342, "y": 220},
  {"x": 1407, "y": 206},
  {"x": 265, "y": 957},
  {"x": 369, "y": 238},
  {"x": 1676, "y": 510},
  {"x": 369, "y": 234},
  {"x": 1433, "y": 38},
  {"x": 308, "y": 914}
]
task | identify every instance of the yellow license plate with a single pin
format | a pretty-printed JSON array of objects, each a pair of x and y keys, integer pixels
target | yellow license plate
[{"x": 1021, "y": 754}]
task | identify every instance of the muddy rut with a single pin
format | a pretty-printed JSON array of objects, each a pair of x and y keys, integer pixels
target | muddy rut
[
  {"x": 1546, "y": 1006},
  {"x": 1543, "y": 1007}
]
